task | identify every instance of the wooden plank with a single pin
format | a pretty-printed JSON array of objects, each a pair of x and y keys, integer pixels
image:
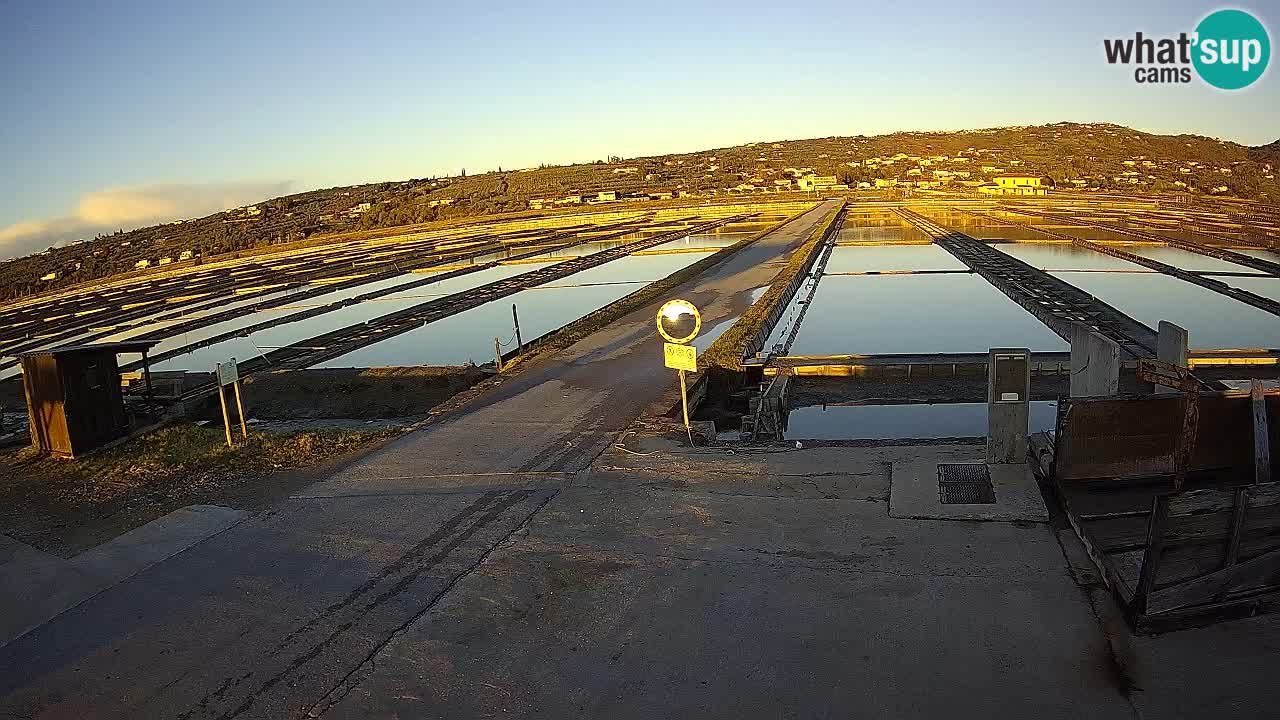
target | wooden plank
[
  {"x": 1151, "y": 559},
  {"x": 1189, "y": 561},
  {"x": 1187, "y": 438},
  {"x": 1237, "y": 530},
  {"x": 1111, "y": 575},
  {"x": 1261, "y": 439},
  {"x": 1090, "y": 517},
  {"x": 1218, "y": 526},
  {"x": 1118, "y": 534},
  {"x": 1213, "y": 500},
  {"x": 1262, "y": 571}
]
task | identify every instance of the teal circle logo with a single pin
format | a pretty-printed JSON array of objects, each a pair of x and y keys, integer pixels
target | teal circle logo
[{"x": 1232, "y": 49}]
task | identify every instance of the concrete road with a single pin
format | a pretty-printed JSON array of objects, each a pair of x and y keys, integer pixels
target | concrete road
[
  {"x": 283, "y": 614},
  {"x": 774, "y": 584}
]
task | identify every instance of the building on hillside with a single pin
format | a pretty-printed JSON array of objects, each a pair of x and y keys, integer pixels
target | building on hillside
[{"x": 1015, "y": 185}]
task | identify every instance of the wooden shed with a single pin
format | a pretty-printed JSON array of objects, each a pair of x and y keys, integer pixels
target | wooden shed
[{"x": 74, "y": 399}]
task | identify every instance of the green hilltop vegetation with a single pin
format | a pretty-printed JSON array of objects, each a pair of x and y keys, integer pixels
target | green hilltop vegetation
[{"x": 1092, "y": 157}]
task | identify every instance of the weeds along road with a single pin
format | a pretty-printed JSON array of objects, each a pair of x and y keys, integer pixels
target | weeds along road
[{"x": 282, "y": 614}]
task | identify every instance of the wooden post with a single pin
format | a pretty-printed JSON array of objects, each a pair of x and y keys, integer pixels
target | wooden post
[
  {"x": 684, "y": 400},
  {"x": 244, "y": 428},
  {"x": 1233, "y": 540},
  {"x": 515, "y": 318},
  {"x": 497, "y": 354},
  {"x": 1261, "y": 438},
  {"x": 1237, "y": 526},
  {"x": 684, "y": 406},
  {"x": 1155, "y": 548},
  {"x": 146, "y": 375},
  {"x": 226, "y": 421}
]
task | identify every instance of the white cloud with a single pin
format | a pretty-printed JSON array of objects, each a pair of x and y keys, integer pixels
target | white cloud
[{"x": 105, "y": 211}]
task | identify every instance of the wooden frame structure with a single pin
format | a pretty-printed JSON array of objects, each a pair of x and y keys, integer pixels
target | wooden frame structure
[{"x": 1175, "y": 498}]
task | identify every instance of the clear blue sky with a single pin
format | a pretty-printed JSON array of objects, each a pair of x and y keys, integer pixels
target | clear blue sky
[{"x": 125, "y": 94}]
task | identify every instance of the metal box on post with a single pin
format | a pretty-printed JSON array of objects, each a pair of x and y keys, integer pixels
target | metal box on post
[{"x": 1008, "y": 404}]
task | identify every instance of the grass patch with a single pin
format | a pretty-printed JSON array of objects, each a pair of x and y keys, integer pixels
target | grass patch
[
  {"x": 185, "y": 449},
  {"x": 64, "y": 506}
]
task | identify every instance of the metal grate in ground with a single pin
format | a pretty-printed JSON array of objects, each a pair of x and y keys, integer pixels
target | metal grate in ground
[{"x": 965, "y": 484}]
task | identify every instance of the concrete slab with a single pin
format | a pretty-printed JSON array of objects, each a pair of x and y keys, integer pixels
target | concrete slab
[
  {"x": 38, "y": 586},
  {"x": 625, "y": 600},
  {"x": 35, "y": 586},
  {"x": 914, "y": 494}
]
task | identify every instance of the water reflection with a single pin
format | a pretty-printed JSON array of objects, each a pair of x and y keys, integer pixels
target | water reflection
[
  {"x": 889, "y": 257},
  {"x": 1187, "y": 260},
  {"x": 916, "y": 314},
  {"x": 1212, "y": 320},
  {"x": 879, "y": 422}
]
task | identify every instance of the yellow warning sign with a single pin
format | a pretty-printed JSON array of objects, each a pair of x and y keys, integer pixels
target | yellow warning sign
[{"x": 680, "y": 357}]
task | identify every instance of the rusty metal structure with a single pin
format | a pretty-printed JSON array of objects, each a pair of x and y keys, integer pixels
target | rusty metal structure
[{"x": 1174, "y": 497}]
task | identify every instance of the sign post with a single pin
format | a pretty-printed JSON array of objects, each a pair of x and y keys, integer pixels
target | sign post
[
  {"x": 679, "y": 323},
  {"x": 228, "y": 374}
]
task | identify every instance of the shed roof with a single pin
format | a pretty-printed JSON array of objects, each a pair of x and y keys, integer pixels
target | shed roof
[{"x": 124, "y": 346}]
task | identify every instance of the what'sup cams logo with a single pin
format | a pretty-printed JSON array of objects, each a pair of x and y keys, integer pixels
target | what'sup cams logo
[{"x": 1229, "y": 50}]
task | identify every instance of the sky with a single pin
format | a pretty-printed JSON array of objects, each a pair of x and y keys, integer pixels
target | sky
[{"x": 123, "y": 114}]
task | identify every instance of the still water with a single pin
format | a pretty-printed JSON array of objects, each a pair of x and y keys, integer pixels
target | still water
[
  {"x": 879, "y": 422},
  {"x": 916, "y": 314},
  {"x": 468, "y": 335}
]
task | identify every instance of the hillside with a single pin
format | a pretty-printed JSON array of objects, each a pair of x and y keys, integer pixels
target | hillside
[
  {"x": 1087, "y": 157},
  {"x": 1269, "y": 153}
]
